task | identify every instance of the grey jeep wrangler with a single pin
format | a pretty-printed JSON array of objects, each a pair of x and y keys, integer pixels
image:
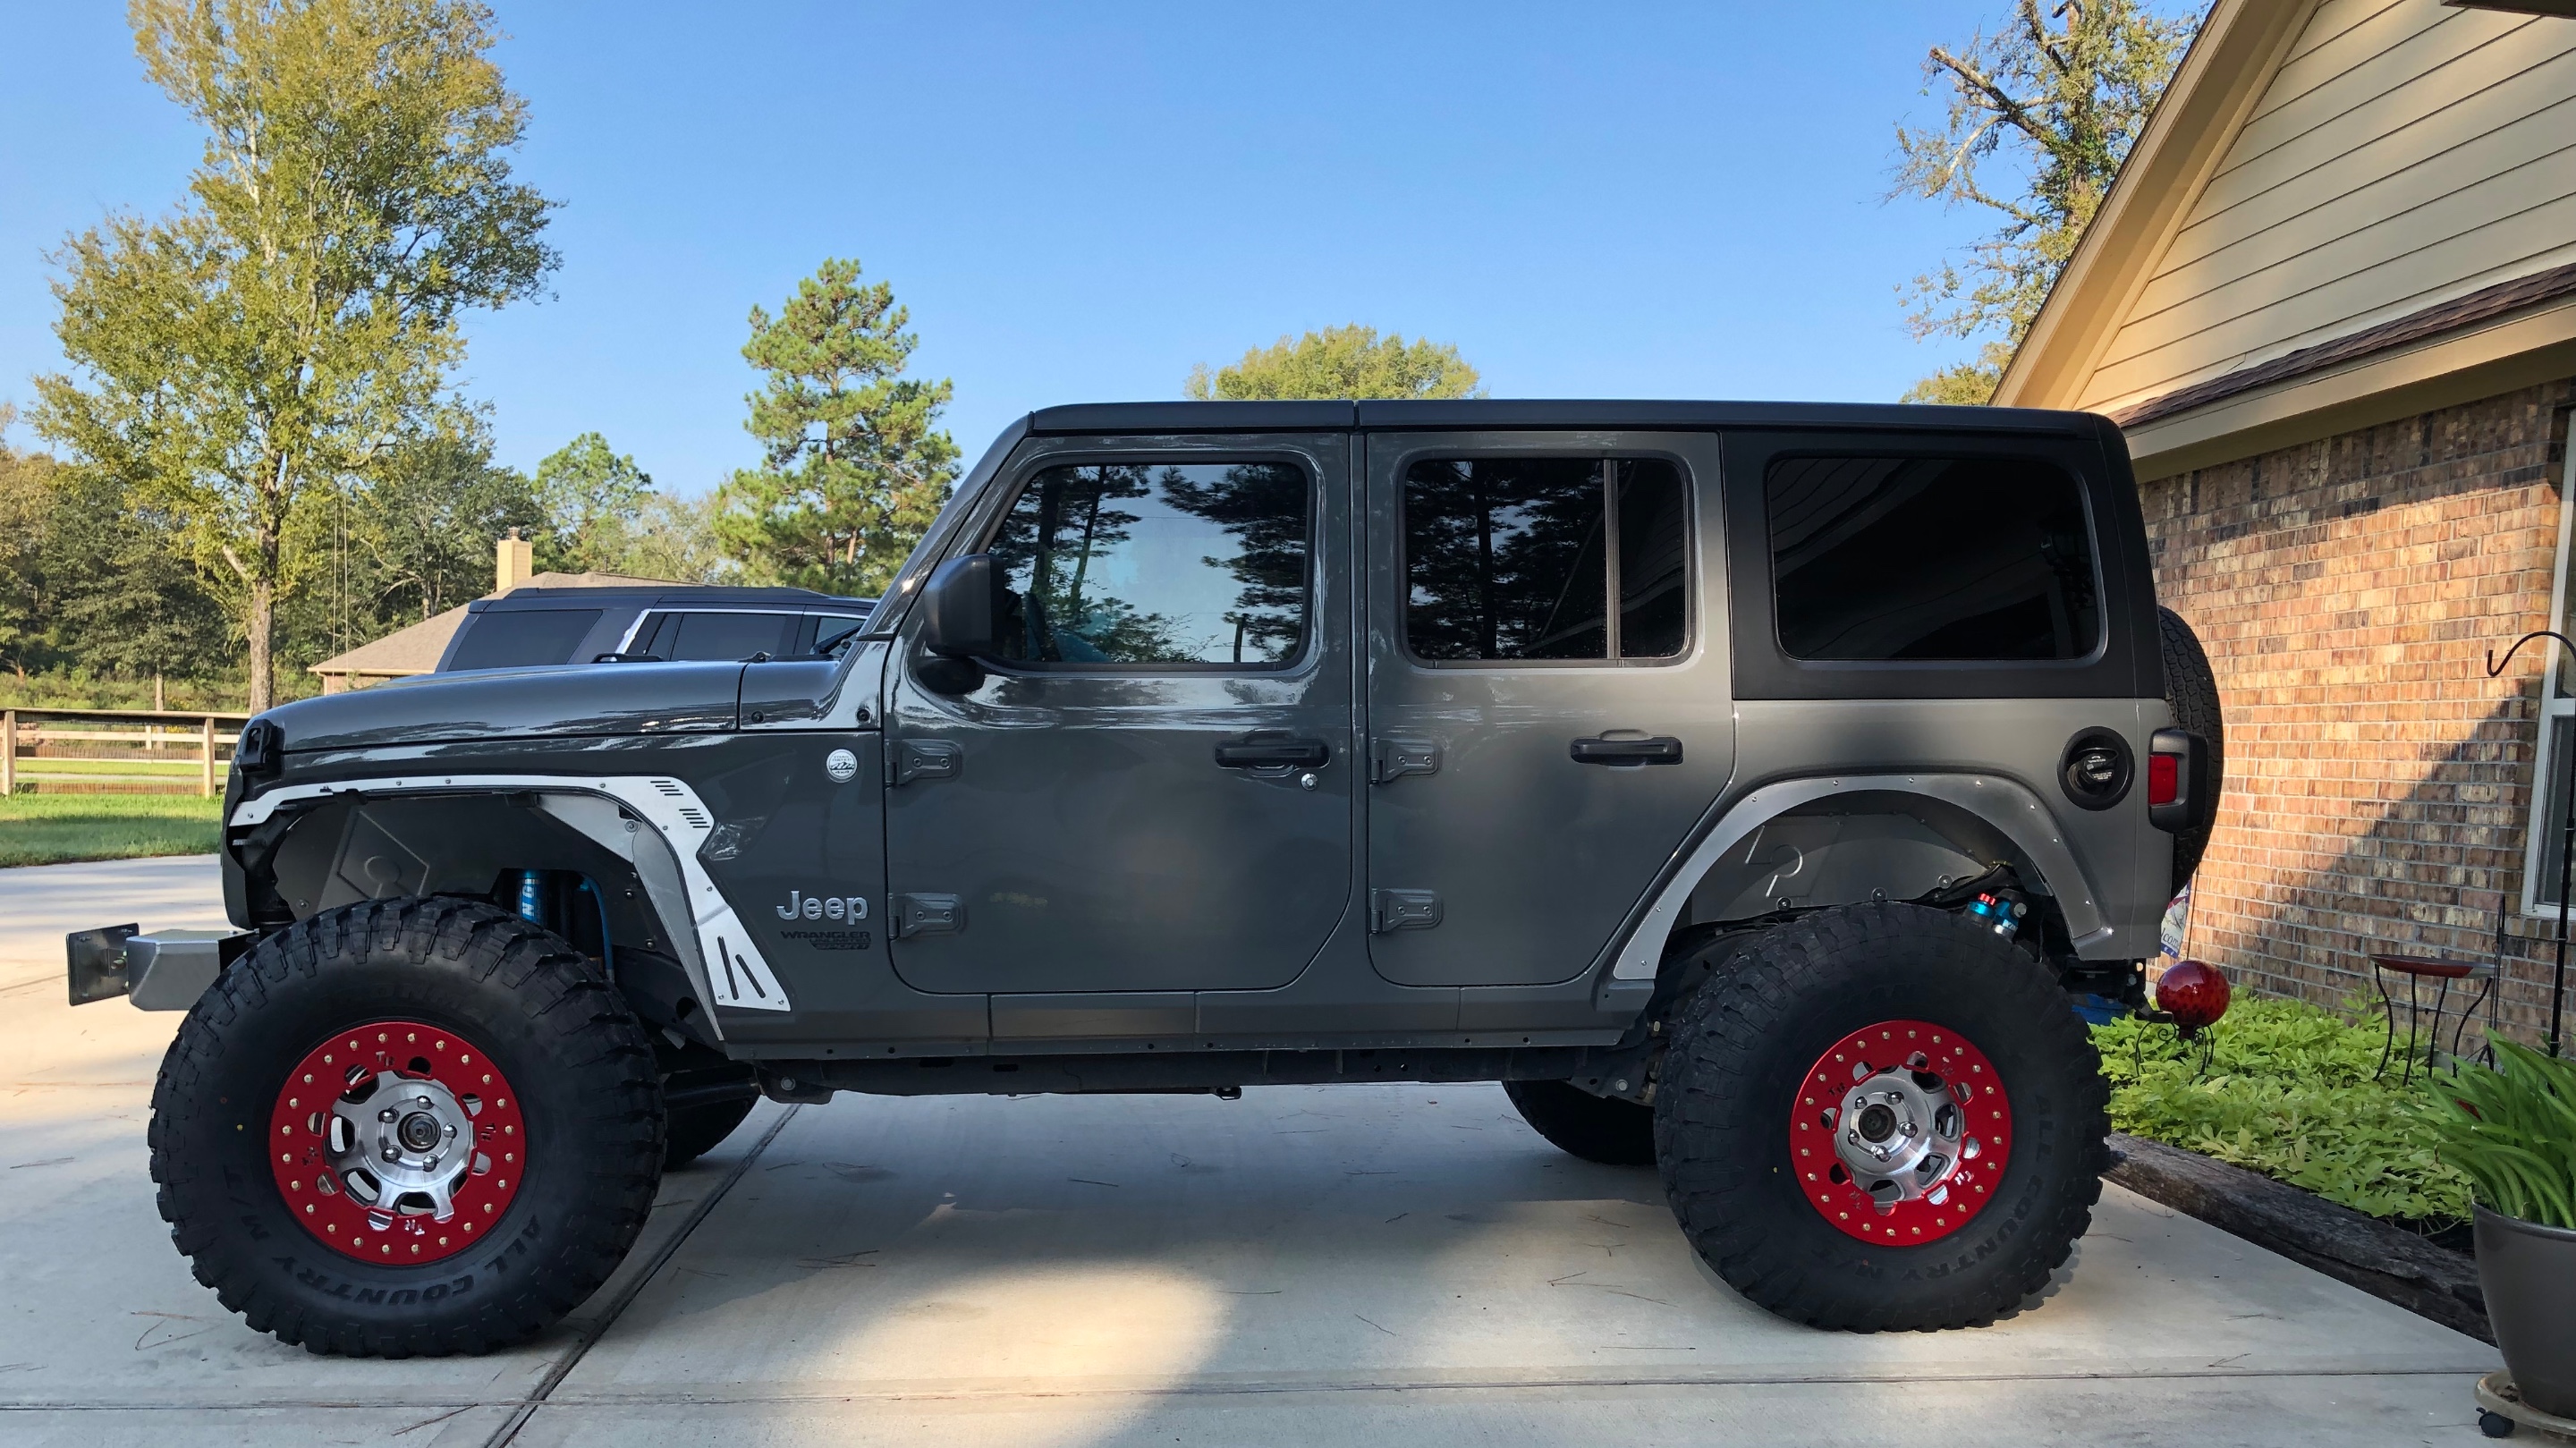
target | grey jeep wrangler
[{"x": 1753, "y": 790}]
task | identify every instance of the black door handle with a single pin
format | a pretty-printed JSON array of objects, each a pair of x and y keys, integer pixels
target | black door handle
[
  {"x": 1273, "y": 752},
  {"x": 1662, "y": 749}
]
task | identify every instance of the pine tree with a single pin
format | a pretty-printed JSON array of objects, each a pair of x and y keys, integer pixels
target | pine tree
[{"x": 852, "y": 466}]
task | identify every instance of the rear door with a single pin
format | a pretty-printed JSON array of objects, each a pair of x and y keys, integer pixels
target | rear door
[{"x": 1548, "y": 701}]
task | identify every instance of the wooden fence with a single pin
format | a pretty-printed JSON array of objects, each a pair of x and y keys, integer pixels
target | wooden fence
[{"x": 115, "y": 751}]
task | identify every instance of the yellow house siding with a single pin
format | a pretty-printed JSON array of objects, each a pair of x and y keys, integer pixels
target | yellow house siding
[
  {"x": 2368, "y": 54},
  {"x": 2405, "y": 153},
  {"x": 2475, "y": 118}
]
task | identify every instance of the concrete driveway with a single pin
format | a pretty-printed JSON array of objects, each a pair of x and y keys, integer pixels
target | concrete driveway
[{"x": 1306, "y": 1265}]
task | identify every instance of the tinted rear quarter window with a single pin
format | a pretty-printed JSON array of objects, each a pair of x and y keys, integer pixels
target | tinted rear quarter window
[
  {"x": 519, "y": 637},
  {"x": 720, "y": 637},
  {"x": 1881, "y": 559},
  {"x": 819, "y": 630}
]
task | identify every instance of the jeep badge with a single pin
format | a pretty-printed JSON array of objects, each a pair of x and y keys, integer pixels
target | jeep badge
[
  {"x": 842, "y": 765},
  {"x": 823, "y": 907}
]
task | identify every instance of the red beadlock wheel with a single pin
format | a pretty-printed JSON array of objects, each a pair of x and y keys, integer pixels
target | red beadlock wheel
[
  {"x": 1899, "y": 1131},
  {"x": 397, "y": 1141}
]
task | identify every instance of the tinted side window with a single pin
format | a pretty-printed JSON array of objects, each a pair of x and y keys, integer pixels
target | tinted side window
[
  {"x": 721, "y": 637},
  {"x": 824, "y": 630},
  {"x": 516, "y": 638},
  {"x": 1157, "y": 563},
  {"x": 1887, "y": 558},
  {"x": 1519, "y": 558}
]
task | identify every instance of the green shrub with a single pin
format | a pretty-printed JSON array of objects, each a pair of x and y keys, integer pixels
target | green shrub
[
  {"x": 2512, "y": 1131},
  {"x": 2288, "y": 1091}
]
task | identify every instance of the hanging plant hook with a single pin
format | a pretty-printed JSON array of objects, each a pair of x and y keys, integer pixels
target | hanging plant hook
[
  {"x": 2495, "y": 665},
  {"x": 2566, "y": 828}
]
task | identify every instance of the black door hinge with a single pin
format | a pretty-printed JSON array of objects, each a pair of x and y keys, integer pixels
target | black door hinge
[
  {"x": 913, "y": 759},
  {"x": 1403, "y": 910}
]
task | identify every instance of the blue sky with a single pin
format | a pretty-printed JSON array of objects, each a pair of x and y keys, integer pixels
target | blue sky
[{"x": 1077, "y": 203}]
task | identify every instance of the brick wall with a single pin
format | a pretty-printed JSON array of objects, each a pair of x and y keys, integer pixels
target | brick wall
[{"x": 2377, "y": 782}]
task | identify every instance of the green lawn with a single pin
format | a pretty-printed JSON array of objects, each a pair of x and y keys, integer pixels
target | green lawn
[{"x": 45, "y": 829}]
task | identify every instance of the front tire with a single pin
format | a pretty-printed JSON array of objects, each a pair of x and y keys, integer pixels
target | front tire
[
  {"x": 1876, "y": 1028},
  {"x": 417, "y": 1126}
]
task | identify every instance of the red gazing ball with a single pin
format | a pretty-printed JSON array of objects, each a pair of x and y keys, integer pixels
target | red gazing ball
[{"x": 2193, "y": 993}]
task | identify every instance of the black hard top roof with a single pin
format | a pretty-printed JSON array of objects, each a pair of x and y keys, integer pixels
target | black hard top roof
[
  {"x": 1169, "y": 417},
  {"x": 686, "y": 594}
]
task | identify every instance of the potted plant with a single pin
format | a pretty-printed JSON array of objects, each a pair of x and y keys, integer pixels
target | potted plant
[{"x": 2512, "y": 1132}]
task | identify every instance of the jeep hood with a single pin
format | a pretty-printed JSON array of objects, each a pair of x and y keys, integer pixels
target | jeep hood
[{"x": 554, "y": 702}]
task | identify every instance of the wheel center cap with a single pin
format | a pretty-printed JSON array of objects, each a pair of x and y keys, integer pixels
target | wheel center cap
[{"x": 420, "y": 1131}]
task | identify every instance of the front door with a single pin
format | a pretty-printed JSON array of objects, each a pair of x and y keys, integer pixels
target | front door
[
  {"x": 1152, "y": 790},
  {"x": 1548, "y": 701}
]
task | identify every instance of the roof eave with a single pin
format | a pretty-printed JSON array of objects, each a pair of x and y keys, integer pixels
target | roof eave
[{"x": 2214, "y": 90}]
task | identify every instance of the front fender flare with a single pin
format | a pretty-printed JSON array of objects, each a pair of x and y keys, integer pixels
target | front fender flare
[{"x": 718, "y": 953}]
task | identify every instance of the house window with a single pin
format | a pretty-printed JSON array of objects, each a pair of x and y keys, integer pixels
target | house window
[{"x": 2558, "y": 730}]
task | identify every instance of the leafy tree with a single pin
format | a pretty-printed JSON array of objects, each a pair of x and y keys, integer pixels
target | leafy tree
[
  {"x": 1340, "y": 362},
  {"x": 2057, "y": 95},
  {"x": 115, "y": 605},
  {"x": 26, "y": 495},
  {"x": 675, "y": 539},
  {"x": 86, "y": 582},
  {"x": 593, "y": 498},
  {"x": 425, "y": 526},
  {"x": 853, "y": 468},
  {"x": 296, "y": 319}
]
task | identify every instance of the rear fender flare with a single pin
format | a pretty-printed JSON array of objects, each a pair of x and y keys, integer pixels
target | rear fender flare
[{"x": 2010, "y": 809}]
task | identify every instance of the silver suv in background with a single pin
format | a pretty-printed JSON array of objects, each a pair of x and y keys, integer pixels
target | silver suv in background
[{"x": 663, "y": 624}]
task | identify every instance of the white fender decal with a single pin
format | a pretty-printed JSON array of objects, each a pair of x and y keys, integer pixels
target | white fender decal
[{"x": 736, "y": 974}]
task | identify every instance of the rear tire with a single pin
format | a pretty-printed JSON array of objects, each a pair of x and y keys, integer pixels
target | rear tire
[
  {"x": 1595, "y": 1128},
  {"x": 469, "y": 999},
  {"x": 693, "y": 1131},
  {"x": 1751, "y": 1044},
  {"x": 2191, "y": 688}
]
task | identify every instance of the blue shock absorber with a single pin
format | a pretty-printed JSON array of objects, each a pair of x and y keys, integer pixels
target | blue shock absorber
[
  {"x": 2000, "y": 913},
  {"x": 532, "y": 898}
]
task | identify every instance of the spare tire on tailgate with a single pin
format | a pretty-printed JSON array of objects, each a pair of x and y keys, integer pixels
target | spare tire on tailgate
[{"x": 2191, "y": 687}]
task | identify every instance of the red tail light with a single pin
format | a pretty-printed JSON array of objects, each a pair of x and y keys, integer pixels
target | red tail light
[{"x": 2164, "y": 778}]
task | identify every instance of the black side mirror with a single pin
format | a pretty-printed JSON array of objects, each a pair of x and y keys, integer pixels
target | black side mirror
[{"x": 958, "y": 616}]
